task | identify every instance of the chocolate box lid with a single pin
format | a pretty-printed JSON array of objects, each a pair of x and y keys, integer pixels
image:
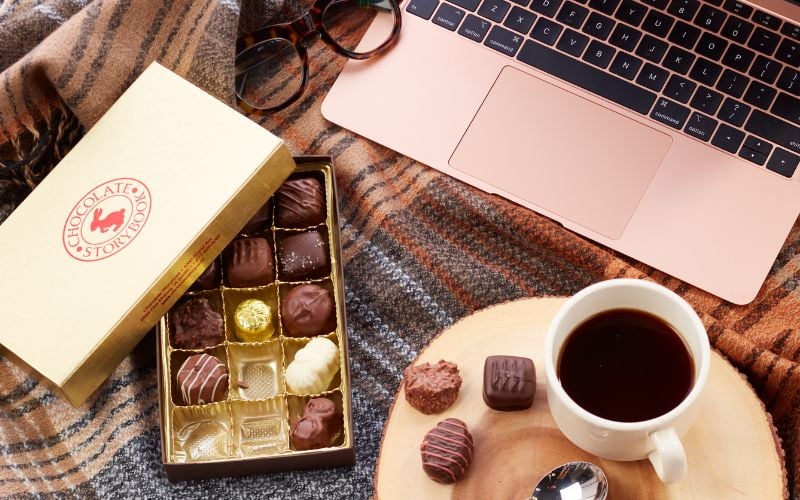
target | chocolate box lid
[{"x": 125, "y": 223}]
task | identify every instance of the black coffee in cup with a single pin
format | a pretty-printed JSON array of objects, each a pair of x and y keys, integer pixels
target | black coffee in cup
[{"x": 625, "y": 365}]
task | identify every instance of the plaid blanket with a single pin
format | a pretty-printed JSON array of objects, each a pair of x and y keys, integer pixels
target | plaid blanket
[{"x": 421, "y": 250}]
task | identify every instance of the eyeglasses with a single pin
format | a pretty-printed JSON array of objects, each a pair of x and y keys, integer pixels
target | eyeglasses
[{"x": 271, "y": 68}]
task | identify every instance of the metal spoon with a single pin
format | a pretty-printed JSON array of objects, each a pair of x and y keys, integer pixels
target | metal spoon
[{"x": 572, "y": 481}]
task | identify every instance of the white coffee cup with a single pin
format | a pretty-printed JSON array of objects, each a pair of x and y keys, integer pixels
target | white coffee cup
[{"x": 658, "y": 438}]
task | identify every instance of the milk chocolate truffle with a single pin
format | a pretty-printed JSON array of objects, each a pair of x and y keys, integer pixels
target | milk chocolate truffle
[
  {"x": 253, "y": 321},
  {"x": 432, "y": 388},
  {"x": 303, "y": 256},
  {"x": 300, "y": 203},
  {"x": 320, "y": 424},
  {"x": 509, "y": 382},
  {"x": 209, "y": 278},
  {"x": 308, "y": 310},
  {"x": 447, "y": 451},
  {"x": 260, "y": 221},
  {"x": 248, "y": 263},
  {"x": 195, "y": 325},
  {"x": 202, "y": 379}
]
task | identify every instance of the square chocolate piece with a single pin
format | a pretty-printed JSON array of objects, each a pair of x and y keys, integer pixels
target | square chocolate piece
[
  {"x": 248, "y": 263},
  {"x": 509, "y": 382},
  {"x": 303, "y": 256}
]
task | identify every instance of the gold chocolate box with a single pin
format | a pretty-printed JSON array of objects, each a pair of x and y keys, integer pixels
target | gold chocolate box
[
  {"x": 123, "y": 225},
  {"x": 247, "y": 428}
]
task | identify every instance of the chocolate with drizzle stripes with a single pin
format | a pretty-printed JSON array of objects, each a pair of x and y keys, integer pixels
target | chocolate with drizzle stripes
[
  {"x": 447, "y": 451},
  {"x": 202, "y": 379}
]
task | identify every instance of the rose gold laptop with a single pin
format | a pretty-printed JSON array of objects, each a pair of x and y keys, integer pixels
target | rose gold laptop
[{"x": 668, "y": 130}]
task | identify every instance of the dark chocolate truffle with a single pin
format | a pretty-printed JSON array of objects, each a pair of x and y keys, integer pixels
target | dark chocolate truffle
[
  {"x": 195, "y": 324},
  {"x": 300, "y": 203},
  {"x": 319, "y": 426},
  {"x": 447, "y": 451},
  {"x": 308, "y": 310},
  {"x": 261, "y": 220},
  {"x": 509, "y": 382},
  {"x": 209, "y": 279},
  {"x": 303, "y": 256},
  {"x": 202, "y": 379},
  {"x": 248, "y": 262},
  {"x": 432, "y": 388}
]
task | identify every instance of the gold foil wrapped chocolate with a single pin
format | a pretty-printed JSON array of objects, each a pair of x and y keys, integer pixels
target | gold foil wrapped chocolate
[{"x": 253, "y": 320}]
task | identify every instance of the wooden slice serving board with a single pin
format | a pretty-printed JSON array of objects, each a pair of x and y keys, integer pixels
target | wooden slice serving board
[{"x": 731, "y": 449}]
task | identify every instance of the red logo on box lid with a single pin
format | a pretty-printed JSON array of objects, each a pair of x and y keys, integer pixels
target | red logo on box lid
[{"x": 106, "y": 219}]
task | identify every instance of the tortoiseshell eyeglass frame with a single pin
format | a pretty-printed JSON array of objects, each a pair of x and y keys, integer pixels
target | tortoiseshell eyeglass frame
[{"x": 297, "y": 32}]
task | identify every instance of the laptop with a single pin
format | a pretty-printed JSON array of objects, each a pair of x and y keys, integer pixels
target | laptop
[{"x": 667, "y": 130}]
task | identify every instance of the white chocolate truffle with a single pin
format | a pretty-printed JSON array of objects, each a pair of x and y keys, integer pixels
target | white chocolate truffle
[{"x": 314, "y": 367}]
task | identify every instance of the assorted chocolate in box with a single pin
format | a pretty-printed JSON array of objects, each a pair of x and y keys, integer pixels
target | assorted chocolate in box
[{"x": 253, "y": 362}]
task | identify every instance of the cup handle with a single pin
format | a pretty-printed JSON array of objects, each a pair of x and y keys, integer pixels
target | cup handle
[{"x": 668, "y": 459}]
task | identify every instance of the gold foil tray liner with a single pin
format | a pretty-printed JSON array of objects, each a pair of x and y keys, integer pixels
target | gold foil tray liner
[
  {"x": 232, "y": 297},
  {"x": 256, "y": 370},
  {"x": 292, "y": 345},
  {"x": 297, "y": 404},
  {"x": 260, "y": 427},
  {"x": 201, "y": 433}
]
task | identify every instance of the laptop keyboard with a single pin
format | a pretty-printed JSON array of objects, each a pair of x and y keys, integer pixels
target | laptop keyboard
[{"x": 720, "y": 71}]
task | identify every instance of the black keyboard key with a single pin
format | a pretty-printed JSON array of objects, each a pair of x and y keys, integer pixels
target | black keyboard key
[
  {"x": 783, "y": 162},
  {"x": 546, "y": 7},
  {"x": 683, "y": 9},
  {"x": 733, "y": 112},
  {"x": 789, "y": 52},
  {"x": 573, "y": 43},
  {"x": 732, "y": 83},
  {"x": 700, "y": 126},
  {"x": 791, "y": 30},
  {"x": 651, "y": 48},
  {"x": 684, "y": 35},
  {"x": 546, "y": 31},
  {"x": 710, "y": 18},
  {"x": 790, "y": 81},
  {"x": 470, "y": 5},
  {"x": 759, "y": 95},
  {"x": 706, "y": 100},
  {"x": 572, "y": 14},
  {"x": 705, "y": 71},
  {"x": 679, "y": 89},
  {"x": 631, "y": 12},
  {"x": 599, "y": 54},
  {"x": 756, "y": 144},
  {"x": 494, "y": 10},
  {"x": 787, "y": 107},
  {"x": 504, "y": 41},
  {"x": 604, "y": 6},
  {"x": 766, "y": 20},
  {"x": 711, "y": 46},
  {"x": 598, "y": 26},
  {"x": 678, "y": 60},
  {"x": 626, "y": 65},
  {"x": 774, "y": 130},
  {"x": 765, "y": 69},
  {"x": 652, "y": 77},
  {"x": 658, "y": 4},
  {"x": 474, "y": 28},
  {"x": 728, "y": 138},
  {"x": 716, "y": 3},
  {"x": 764, "y": 41},
  {"x": 520, "y": 20},
  {"x": 657, "y": 23},
  {"x": 737, "y": 29},
  {"x": 738, "y": 58},
  {"x": 422, "y": 8},
  {"x": 587, "y": 77},
  {"x": 625, "y": 37},
  {"x": 754, "y": 156},
  {"x": 448, "y": 16},
  {"x": 737, "y": 8}
]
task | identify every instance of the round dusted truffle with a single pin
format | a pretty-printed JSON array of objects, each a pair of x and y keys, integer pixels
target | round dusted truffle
[
  {"x": 308, "y": 310},
  {"x": 300, "y": 203},
  {"x": 432, "y": 388},
  {"x": 202, "y": 379},
  {"x": 447, "y": 451},
  {"x": 195, "y": 325}
]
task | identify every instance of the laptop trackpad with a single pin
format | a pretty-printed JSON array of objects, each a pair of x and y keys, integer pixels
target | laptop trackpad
[{"x": 561, "y": 152}]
